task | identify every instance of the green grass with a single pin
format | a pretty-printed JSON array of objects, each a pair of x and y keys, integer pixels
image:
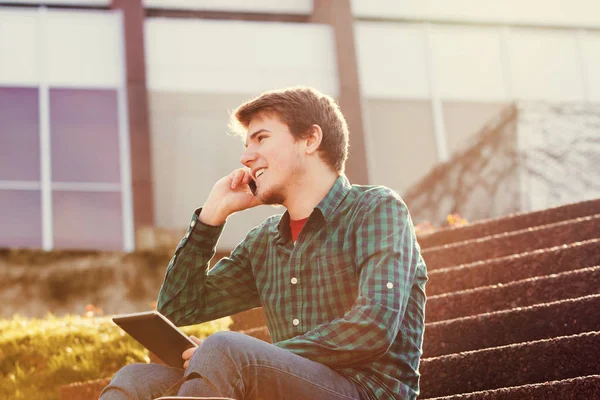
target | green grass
[{"x": 37, "y": 356}]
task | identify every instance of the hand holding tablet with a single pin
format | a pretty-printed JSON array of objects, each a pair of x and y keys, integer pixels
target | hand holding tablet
[
  {"x": 159, "y": 335},
  {"x": 187, "y": 354}
]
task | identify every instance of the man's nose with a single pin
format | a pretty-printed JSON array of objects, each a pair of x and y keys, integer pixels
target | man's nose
[{"x": 248, "y": 157}]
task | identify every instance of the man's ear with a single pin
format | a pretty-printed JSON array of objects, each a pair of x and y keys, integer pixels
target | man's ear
[{"x": 314, "y": 139}]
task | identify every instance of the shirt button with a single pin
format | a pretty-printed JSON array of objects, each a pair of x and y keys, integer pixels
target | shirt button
[
  {"x": 193, "y": 224},
  {"x": 296, "y": 322},
  {"x": 390, "y": 285},
  {"x": 294, "y": 280}
]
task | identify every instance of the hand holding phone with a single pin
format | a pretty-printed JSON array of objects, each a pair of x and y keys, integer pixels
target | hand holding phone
[{"x": 232, "y": 193}]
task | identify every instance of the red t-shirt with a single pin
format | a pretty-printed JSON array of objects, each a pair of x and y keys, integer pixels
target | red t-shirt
[{"x": 296, "y": 227}]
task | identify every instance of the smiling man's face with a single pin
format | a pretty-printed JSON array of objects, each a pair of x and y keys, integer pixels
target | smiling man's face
[{"x": 274, "y": 158}]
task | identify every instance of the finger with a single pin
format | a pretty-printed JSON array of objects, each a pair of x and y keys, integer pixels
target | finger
[
  {"x": 197, "y": 340},
  {"x": 232, "y": 179},
  {"x": 237, "y": 178},
  {"x": 247, "y": 177},
  {"x": 185, "y": 364},
  {"x": 186, "y": 355}
]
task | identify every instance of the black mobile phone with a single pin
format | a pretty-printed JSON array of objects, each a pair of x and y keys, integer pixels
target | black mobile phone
[{"x": 252, "y": 186}]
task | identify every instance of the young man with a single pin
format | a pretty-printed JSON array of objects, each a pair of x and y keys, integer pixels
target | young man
[{"x": 339, "y": 274}]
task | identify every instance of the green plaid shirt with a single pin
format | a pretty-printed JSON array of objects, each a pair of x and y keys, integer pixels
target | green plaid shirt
[{"x": 350, "y": 293}]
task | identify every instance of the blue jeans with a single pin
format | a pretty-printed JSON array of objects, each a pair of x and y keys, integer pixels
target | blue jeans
[{"x": 231, "y": 364}]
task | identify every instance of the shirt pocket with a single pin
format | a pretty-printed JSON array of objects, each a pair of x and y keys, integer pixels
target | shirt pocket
[
  {"x": 336, "y": 285},
  {"x": 331, "y": 265}
]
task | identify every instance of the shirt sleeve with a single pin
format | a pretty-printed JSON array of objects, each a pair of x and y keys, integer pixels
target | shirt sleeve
[
  {"x": 191, "y": 294},
  {"x": 387, "y": 256}
]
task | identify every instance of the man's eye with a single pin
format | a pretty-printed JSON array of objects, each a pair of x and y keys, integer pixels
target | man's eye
[{"x": 260, "y": 138}]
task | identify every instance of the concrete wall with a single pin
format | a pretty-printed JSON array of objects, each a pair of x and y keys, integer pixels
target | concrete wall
[
  {"x": 531, "y": 12},
  {"x": 561, "y": 147},
  {"x": 256, "y": 6},
  {"x": 401, "y": 141},
  {"x": 479, "y": 182},
  {"x": 434, "y": 74},
  {"x": 534, "y": 156}
]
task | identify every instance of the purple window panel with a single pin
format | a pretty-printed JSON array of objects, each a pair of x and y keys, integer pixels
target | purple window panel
[
  {"x": 20, "y": 218},
  {"x": 84, "y": 135},
  {"x": 87, "y": 220},
  {"x": 19, "y": 134}
]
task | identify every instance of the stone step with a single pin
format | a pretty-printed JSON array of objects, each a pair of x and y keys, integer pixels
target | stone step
[
  {"x": 513, "y": 365},
  {"x": 500, "y": 328},
  {"x": 527, "y": 292},
  {"x": 585, "y": 388},
  {"x": 514, "y": 267},
  {"x": 510, "y": 223},
  {"x": 516, "y": 242}
]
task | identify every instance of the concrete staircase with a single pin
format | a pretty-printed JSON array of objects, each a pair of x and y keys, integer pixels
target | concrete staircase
[{"x": 513, "y": 310}]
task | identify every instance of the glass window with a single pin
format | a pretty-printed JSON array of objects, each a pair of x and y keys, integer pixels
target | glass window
[
  {"x": 84, "y": 135},
  {"x": 87, "y": 220},
  {"x": 20, "y": 219},
  {"x": 19, "y": 134}
]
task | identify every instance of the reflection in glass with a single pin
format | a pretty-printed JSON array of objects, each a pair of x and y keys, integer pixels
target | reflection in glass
[
  {"x": 19, "y": 134},
  {"x": 84, "y": 132},
  {"x": 20, "y": 218},
  {"x": 87, "y": 220}
]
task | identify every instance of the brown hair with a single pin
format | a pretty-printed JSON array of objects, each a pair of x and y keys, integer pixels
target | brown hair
[{"x": 300, "y": 108}]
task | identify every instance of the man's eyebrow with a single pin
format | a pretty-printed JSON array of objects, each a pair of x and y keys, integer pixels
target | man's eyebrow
[{"x": 253, "y": 135}]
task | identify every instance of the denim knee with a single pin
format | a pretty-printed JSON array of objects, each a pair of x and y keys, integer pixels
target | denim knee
[
  {"x": 126, "y": 383},
  {"x": 130, "y": 375},
  {"x": 226, "y": 340},
  {"x": 141, "y": 381},
  {"x": 222, "y": 346}
]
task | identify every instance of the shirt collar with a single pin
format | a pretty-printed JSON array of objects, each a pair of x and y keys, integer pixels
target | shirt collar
[
  {"x": 334, "y": 197},
  {"x": 326, "y": 206}
]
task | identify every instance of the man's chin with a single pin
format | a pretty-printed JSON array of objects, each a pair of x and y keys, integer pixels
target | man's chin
[{"x": 271, "y": 197}]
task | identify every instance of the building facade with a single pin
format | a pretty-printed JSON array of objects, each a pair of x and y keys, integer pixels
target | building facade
[{"x": 113, "y": 114}]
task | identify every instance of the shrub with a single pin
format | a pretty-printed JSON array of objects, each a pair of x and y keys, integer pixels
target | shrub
[{"x": 39, "y": 355}]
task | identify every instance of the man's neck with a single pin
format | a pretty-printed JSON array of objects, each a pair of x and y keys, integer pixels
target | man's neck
[{"x": 309, "y": 191}]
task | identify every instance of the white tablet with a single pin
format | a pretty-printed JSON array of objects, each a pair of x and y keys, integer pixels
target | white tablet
[{"x": 156, "y": 333}]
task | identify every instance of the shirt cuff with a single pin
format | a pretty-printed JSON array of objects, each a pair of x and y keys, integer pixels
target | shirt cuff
[{"x": 201, "y": 235}]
